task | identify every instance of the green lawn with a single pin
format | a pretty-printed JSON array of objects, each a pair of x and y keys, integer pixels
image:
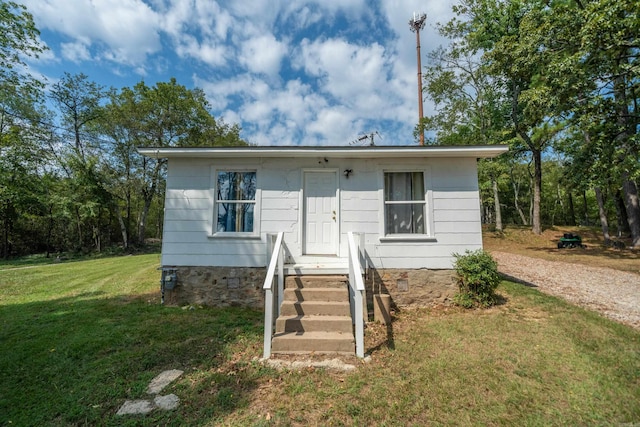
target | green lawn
[{"x": 79, "y": 338}]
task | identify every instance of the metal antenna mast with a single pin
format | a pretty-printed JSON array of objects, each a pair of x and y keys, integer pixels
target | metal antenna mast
[
  {"x": 368, "y": 136},
  {"x": 416, "y": 24}
]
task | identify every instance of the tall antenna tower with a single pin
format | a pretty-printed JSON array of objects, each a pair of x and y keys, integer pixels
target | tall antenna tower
[{"x": 416, "y": 24}]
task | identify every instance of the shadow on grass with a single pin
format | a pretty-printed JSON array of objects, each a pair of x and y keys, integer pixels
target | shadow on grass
[
  {"x": 75, "y": 360},
  {"x": 387, "y": 341},
  {"x": 517, "y": 280},
  {"x": 39, "y": 260},
  {"x": 597, "y": 250}
]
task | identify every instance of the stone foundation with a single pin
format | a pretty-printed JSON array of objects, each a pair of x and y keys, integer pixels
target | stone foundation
[
  {"x": 418, "y": 288},
  {"x": 242, "y": 286},
  {"x": 218, "y": 287}
]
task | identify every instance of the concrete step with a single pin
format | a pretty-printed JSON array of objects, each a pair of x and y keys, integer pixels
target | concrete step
[
  {"x": 322, "y": 281},
  {"x": 316, "y": 294},
  {"x": 314, "y": 324},
  {"x": 317, "y": 342},
  {"x": 310, "y": 308}
]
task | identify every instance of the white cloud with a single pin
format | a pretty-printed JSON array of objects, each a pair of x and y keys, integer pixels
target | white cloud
[
  {"x": 356, "y": 76},
  {"x": 213, "y": 19},
  {"x": 334, "y": 125},
  {"x": 343, "y": 82},
  {"x": 128, "y": 29},
  {"x": 75, "y": 52},
  {"x": 290, "y": 115},
  {"x": 263, "y": 54},
  {"x": 207, "y": 51},
  {"x": 198, "y": 30}
]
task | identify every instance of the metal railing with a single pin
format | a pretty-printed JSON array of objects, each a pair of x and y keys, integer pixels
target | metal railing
[
  {"x": 271, "y": 306},
  {"x": 357, "y": 292}
]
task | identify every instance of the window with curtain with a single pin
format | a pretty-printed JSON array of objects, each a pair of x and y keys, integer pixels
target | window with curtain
[
  {"x": 404, "y": 203},
  {"x": 235, "y": 201}
]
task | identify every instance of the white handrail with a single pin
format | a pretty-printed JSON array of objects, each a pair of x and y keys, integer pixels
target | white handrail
[
  {"x": 275, "y": 261},
  {"x": 357, "y": 290}
]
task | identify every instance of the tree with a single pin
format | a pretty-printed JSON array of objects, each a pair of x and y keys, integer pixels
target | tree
[
  {"x": 20, "y": 115},
  {"x": 514, "y": 56},
  {"x": 165, "y": 115},
  {"x": 563, "y": 63},
  {"x": 610, "y": 52},
  {"x": 593, "y": 75},
  {"x": 470, "y": 105},
  {"x": 18, "y": 39},
  {"x": 78, "y": 100}
]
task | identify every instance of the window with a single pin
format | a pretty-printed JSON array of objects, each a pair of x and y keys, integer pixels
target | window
[
  {"x": 404, "y": 203},
  {"x": 235, "y": 201}
]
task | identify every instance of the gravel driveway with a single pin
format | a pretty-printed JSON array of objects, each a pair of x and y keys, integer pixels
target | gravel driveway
[{"x": 613, "y": 293}]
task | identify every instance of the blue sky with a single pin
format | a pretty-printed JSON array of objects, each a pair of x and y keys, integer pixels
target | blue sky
[{"x": 288, "y": 72}]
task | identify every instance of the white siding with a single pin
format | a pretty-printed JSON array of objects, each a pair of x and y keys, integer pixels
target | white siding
[{"x": 453, "y": 211}]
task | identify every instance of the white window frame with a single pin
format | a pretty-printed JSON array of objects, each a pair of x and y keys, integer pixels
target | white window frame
[
  {"x": 255, "y": 234},
  {"x": 428, "y": 225}
]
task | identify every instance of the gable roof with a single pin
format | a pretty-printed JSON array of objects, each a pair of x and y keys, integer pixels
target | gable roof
[{"x": 370, "y": 152}]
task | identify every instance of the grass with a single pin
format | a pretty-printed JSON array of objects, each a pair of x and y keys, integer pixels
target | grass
[{"x": 78, "y": 339}]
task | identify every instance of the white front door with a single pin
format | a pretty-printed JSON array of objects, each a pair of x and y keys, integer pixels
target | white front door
[{"x": 320, "y": 225}]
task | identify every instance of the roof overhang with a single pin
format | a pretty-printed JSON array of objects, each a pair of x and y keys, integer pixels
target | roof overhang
[{"x": 473, "y": 151}]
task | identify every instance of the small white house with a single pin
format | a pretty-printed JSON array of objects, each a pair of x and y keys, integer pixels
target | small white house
[
  {"x": 403, "y": 210},
  {"x": 340, "y": 229}
]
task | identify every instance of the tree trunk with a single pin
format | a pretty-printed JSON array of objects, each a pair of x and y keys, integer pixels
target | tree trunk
[
  {"x": 147, "y": 196},
  {"x": 142, "y": 223},
  {"x": 572, "y": 211},
  {"x": 80, "y": 236},
  {"x": 621, "y": 212},
  {"x": 603, "y": 215},
  {"x": 5, "y": 238},
  {"x": 49, "y": 229},
  {"x": 536, "y": 226},
  {"x": 586, "y": 208},
  {"x": 628, "y": 124},
  {"x": 558, "y": 202},
  {"x": 633, "y": 209},
  {"x": 517, "y": 205},
  {"x": 496, "y": 200},
  {"x": 123, "y": 227},
  {"x": 516, "y": 199}
]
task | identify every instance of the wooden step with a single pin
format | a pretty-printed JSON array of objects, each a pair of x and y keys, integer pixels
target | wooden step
[
  {"x": 317, "y": 342},
  {"x": 323, "y": 281},
  {"x": 316, "y": 294},
  {"x": 310, "y": 308},
  {"x": 314, "y": 324}
]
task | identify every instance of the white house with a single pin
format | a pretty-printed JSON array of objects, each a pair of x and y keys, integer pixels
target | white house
[{"x": 407, "y": 208}]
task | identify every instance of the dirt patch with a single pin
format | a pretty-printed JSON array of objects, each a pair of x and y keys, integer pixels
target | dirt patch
[{"x": 521, "y": 241}]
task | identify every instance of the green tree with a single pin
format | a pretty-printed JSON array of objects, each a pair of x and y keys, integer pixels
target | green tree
[
  {"x": 607, "y": 56},
  {"x": 79, "y": 105},
  {"x": 78, "y": 100},
  {"x": 165, "y": 115},
  {"x": 471, "y": 108},
  {"x": 19, "y": 38},
  {"x": 591, "y": 74},
  {"x": 20, "y": 114}
]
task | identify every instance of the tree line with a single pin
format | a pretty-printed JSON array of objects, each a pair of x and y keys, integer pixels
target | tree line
[
  {"x": 71, "y": 178},
  {"x": 555, "y": 80},
  {"x": 558, "y": 81}
]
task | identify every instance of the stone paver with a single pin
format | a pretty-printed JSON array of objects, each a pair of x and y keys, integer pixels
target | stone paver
[
  {"x": 164, "y": 379},
  {"x": 167, "y": 403},
  {"x": 131, "y": 407}
]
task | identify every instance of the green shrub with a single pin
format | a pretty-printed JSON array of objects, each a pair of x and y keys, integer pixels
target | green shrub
[{"x": 478, "y": 279}]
